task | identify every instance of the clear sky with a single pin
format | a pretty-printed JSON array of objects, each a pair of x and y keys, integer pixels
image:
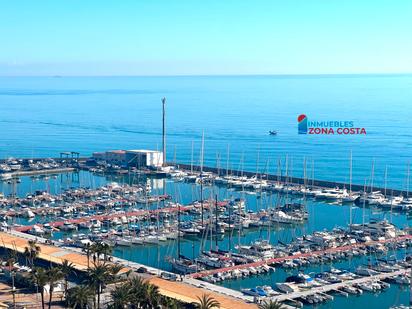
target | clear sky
[{"x": 185, "y": 37}]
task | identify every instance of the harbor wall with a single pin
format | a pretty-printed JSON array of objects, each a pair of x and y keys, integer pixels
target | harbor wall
[{"x": 293, "y": 180}]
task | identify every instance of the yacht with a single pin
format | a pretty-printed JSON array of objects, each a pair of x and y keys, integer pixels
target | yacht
[
  {"x": 214, "y": 261},
  {"x": 67, "y": 226},
  {"x": 125, "y": 241},
  {"x": 282, "y": 217},
  {"x": 260, "y": 248},
  {"x": 36, "y": 230},
  {"x": 259, "y": 292},
  {"x": 373, "y": 198},
  {"x": 365, "y": 271},
  {"x": 287, "y": 287},
  {"x": 28, "y": 214},
  {"x": 377, "y": 228},
  {"x": 184, "y": 265}
]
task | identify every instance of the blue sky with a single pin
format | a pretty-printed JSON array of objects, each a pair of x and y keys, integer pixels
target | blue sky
[{"x": 182, "y": 37}]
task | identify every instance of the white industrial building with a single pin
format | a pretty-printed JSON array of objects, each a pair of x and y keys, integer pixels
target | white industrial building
[
  {"x": 144, "y": 158},
  {"x": 132, "y": 158}
]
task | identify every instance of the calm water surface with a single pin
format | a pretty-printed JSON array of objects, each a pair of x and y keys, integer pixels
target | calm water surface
[{"x": 42, "y": 116}]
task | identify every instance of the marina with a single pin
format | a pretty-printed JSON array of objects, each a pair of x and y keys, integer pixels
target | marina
[
  {"x": 193, "y": 155},
  {"x": 220, "y": 223}
]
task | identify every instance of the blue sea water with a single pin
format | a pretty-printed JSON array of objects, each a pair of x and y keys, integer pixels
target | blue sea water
[{"x": 41, "y": 116}]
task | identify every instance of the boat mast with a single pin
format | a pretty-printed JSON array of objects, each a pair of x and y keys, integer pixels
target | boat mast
[
  {"x": 407, "y": 179},
  {"x": 227, "y": 160},
  {"x": 216, "y": 223},
  {"x": 230, "y": 228},
  {"x": 313, "y": 172},
  {"x": 304, "y": 173},
  {"x": 278, "y": 171},
  {"x": 257, "y": 162},
  {"x": 350, "y": 173},
  {"x": 191, "y": 160},
  {"x": 350, "y": 190},
  {"x": 218, "y": 163},
  {"x": 364, "y": 202},
  {"x": 372, "y": 174},
  {"x": 164, "y": 131},
  {"x": 201, "y": 174},
  {"x": 178, "y": 230},
  {"x": 386, "y": 179}
]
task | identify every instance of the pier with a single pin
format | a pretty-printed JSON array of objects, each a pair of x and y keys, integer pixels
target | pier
[
  {"x": 297, "y": 256},
  {"x": 136, "y": 213},
  {"x": 336, "y": 286},
  {"x": 41, "y": 172},
  {"x": 288, "y": 179}
]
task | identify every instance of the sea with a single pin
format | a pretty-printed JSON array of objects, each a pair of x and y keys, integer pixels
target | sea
[{"x": 43, "y": 116}]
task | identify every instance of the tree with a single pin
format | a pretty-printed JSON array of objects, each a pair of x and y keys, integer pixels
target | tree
[
  {"x": 206, "y": 302},
  {"x": 66, "y": 268},
  {"x": 100, "y": 275},
  {"x": 87, "y": 249},
  {"x": 271, "y": 305},
  {"x": 169, "y": 303},
  {"x": 32, "y": 251},
  {"x": 152, "y": 295},
  {"x": 40, "y": 279},
  {"x": 120, "y": 296},
  {"x": 79, "y": 297},
  {"x": 106, "y": 250},
  {"x": 10, "y": 262},
  {"x": 99, "y": 249},
  {"x": 54, "y": 274}
]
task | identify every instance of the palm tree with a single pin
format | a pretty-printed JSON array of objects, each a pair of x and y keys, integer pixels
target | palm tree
[
  {"x": 87, "y": 249},
  {"x": 32, "y": 251},
  {"x": 271, "y": 305},
  {"x": 66, "y": 268},
  {"x": 170, "y": 303},
  {"x": 10, "y": 262},
  {"x": 106, "y": 250},
  {"x": 100, "y": 249},
  {"x": 136, "y": 290},
  {"x": 120, "y": 296},
  {"x": 152, "y": 295},
  {"x": 142, "y": 293},
  {"x": 40, "y": 279},
  {"x": 100, "y": 275},
  {"x": 54, "y": 274},
  {"x": 206, "y": 302},
  {"x": 79, "y": 297}
]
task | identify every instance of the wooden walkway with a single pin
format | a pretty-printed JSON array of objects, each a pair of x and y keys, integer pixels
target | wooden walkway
[{"x": 297, "y": 256}]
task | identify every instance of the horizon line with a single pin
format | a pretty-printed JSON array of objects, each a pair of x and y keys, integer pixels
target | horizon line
[{"x": 223, "y": 75}]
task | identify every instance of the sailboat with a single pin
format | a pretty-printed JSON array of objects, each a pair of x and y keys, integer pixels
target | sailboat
[{"x": 181, "y": 263}]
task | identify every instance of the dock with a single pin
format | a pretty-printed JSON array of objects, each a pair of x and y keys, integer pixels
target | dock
[
  {"x": 290, "y": 180},
  {"x": 336, "y": 286},
  {"x": 136, "y": 213},
  {"x": 297, "y": 256},
  {"x": 42, "y": 172}
]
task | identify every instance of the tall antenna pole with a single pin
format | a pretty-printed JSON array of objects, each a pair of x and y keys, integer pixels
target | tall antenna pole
[
  {"x": 227, "y": 160},
  {"x": 407, "y": 179},
  {"x": 164, "y": 131},
  {"x": 350, "y": 173}
]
